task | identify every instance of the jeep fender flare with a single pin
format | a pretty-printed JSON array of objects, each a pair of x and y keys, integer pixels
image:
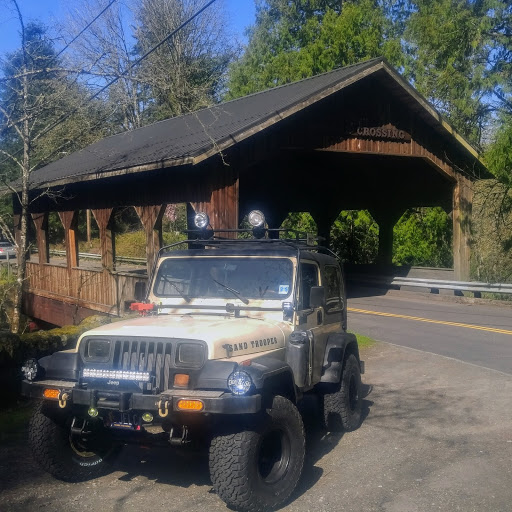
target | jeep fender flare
[
  {"x": 339, "y": 346},
  {"x": 271, "y": 377}
]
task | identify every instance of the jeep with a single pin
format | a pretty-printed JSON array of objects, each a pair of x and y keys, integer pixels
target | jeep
[{"x": 232, "y": 335}]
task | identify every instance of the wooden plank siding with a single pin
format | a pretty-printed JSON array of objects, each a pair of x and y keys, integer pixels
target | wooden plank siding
[{"x": 98, "y": 291}]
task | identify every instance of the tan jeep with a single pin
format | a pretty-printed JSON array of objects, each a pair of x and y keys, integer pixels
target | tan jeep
[{"x": 233, "y": 334}]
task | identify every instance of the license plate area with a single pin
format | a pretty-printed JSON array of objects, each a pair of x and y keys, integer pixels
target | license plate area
[{"x": 125, "y": 421}]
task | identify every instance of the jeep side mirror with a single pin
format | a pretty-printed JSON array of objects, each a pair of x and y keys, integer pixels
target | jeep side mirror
[{"x": 317, "y": 297}]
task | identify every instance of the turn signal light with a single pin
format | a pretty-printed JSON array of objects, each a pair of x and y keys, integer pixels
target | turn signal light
[
  {"x": 190, "y": 405},
  {"x": 51, "y": 393},
  {"x": 181, "y": 380}
]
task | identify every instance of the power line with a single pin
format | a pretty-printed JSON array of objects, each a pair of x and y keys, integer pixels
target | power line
[
  {"x": 136, "y": 63},
  {"x": 114, "y": 80},
  {"x": 84, "y": 29}
]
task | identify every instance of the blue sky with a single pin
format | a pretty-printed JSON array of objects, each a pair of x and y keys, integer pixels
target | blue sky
[{"x": 240, "y": 14}]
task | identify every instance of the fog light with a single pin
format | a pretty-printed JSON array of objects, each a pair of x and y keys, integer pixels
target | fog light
[
  {"x": 239, "y": 383},
  {"x": 92, "y": 412},
  {"x": 256, "y": 219},
  {"x": 147, "y": 417},
  {"x": 201, "y": 220}
]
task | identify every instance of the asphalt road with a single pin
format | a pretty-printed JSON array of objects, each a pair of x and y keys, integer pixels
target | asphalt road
[{"x": 482, "y": 337}]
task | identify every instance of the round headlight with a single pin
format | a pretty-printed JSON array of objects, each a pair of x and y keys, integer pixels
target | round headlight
[
  {"x": 256, "y": 219},
  {"x": 30, "y": 369},
  {"x": 239, "y": 383},
  {"x": 201, "y": 220}
]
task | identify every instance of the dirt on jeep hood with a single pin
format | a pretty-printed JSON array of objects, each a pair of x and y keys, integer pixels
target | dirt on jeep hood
[{"x": 241, "y": 336}]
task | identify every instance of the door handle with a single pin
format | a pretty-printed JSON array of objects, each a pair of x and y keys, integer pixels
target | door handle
[{"x": 319, "y": 317}]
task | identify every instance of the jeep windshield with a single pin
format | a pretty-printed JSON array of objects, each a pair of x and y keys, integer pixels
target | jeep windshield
[{"x": 224, "y": 277}]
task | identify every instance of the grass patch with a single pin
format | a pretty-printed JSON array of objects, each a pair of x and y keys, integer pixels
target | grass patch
[
  {"x": 14, "y": 422},
  {"x": 364, "y": 341}
]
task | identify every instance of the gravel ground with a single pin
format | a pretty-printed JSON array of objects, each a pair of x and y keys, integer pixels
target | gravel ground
[{"x": 437, "y": 435}]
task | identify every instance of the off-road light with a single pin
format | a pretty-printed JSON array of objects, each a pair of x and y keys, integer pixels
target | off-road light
[
  {"x": 92, "y": 412},
  {"x": 95, "y": 373},
  {"x": 239, "y": 383},
  {"x": 147, "y": 417},
  {"x": 30, "y": 369},
  {"x": 201, "y": 220},
  {"x": 256, "y": 219}
]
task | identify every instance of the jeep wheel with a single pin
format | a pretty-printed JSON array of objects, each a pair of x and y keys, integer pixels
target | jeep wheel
[
  {"x": 342, "y": 404},
  {"x": 258, "y": 468},
  {"x": 65, "y": 455}
]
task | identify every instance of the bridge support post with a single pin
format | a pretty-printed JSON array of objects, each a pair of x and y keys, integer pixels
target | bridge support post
[
  {"x": 462, "y": 208},
  {"x": 386, "y": 219},
  {"x": 69, "y": 221},
  {"x": 151, "y": 218},
  {"x": 43, "y": 248},
  {"x": 107, "y": 240}
]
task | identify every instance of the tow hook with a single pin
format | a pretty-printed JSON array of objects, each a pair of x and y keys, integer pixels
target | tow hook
[
  {"x": 63, "y": 398},
  {"x": 174, "y": 436},
  {"x": 165, "y": 411}
]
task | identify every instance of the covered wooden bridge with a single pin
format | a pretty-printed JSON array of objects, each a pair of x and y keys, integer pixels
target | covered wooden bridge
[{"x": 359, "y": 137}]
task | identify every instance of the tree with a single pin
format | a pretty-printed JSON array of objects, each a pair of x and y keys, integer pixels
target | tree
[
  {"x": 295, "y": 40},
  {"x": 186, "y": 73},
  {"x": 36, "y": 98}
]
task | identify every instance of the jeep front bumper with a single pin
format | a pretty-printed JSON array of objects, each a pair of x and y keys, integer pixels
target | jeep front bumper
[{"x": 214, "y": 402}]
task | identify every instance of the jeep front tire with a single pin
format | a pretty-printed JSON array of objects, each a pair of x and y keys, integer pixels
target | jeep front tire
[
  {"x": 258, "y": 468},
  {"x": 67, "y": 456}
]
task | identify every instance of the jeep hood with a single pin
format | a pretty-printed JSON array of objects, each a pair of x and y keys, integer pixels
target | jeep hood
[{"x": 225, "y": 335}]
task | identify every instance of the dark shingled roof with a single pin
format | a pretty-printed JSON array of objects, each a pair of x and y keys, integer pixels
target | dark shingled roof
[{"x": 191, "y": 138}]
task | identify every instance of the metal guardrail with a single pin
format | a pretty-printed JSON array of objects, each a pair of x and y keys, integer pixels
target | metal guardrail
[
  {"x": 436, "y": 284},
  {"x": 93, "y": 256}
]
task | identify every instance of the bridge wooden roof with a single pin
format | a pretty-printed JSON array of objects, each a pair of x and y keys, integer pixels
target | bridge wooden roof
[{"x": 192, "y": 138}]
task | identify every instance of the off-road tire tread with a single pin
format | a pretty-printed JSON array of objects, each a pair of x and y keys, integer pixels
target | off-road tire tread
[
  {"x": 231, "y": 455},
  {"x": 49, "y": 442},
  {"x": 337, "y": 414}
]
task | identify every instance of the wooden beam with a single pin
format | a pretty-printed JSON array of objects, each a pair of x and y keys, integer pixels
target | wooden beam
[
  {"x": 222, "y": 208},
  {"x": 107, "y": 239},
  {"x": 151, "y": 218},
  {"x": 70, "y": 221},
  {"x": 41, "y": 223},
  {"x": 462, "y": 209}
]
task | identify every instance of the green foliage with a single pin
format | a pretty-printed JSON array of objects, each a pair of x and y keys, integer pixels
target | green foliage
[
  {"x": 295, "y": 40},
  {"x": 423, "y": 237},
  {"x": 458, "y": 57},
  {"x": 300, "y": 221},
  {"x": 355, "y": 237}
]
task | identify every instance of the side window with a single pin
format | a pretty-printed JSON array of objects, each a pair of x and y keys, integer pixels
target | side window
[
  {"x": 309, "y": 278},
  {"x": 332, "y": 286}
]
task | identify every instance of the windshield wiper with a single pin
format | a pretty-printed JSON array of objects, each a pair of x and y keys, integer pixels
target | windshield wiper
[
  {"x": 236, "y": 293},
  {"x": 175, "y": 286}
]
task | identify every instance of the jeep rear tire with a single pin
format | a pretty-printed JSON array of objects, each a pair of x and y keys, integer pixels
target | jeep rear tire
[
  {"x": 258, "y": 468},
  {"x": 342, "y": 404},
  {"x": 66, "y": 456}
]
